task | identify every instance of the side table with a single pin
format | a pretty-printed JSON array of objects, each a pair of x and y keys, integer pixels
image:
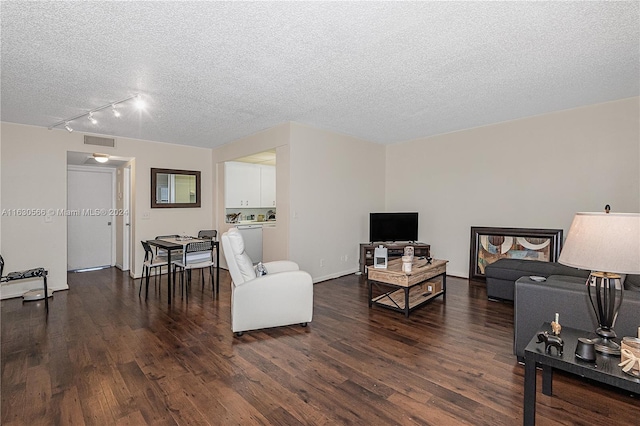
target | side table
[{"x": 604, "y": 370}]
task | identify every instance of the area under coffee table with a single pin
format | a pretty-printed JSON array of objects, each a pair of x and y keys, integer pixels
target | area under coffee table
[{"x": 410, "y": 290}]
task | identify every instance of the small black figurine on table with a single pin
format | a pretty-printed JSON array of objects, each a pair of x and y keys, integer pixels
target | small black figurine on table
[{"x": 552, "y": 340}]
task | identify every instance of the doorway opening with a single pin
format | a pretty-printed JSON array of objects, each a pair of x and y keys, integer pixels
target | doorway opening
[{"x": 98, "y": 212}]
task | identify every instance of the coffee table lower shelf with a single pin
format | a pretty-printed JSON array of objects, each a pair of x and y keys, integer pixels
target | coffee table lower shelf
[{"x": 396, "y": 300}]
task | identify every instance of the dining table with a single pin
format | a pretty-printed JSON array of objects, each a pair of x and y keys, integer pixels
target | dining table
[{"x": 172, "y": 244}]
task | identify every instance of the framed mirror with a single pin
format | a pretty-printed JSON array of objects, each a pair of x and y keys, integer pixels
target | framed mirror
[{"x": 175, "y": 188}]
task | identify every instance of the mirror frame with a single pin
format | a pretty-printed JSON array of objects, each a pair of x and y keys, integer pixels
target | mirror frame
[{"x": 154, "y": 182}]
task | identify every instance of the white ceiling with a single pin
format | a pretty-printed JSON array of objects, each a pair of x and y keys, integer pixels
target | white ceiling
[{"x": 213, "y": 72}]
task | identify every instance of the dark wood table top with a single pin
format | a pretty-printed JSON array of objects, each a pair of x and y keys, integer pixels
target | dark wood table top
[{"x": 604, "y": 370}]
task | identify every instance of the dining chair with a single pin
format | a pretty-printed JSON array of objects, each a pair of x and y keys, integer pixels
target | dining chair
[
  {"x": 207, "y": 234},
  {"x": 151, "y": 261},
  {"x": 162, "y": 253},
  {"x": 198, "y": 255},
  {"x": 211, "y": 234}
]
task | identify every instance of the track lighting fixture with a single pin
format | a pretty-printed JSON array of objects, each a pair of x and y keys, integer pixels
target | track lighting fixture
[{"x": 139, "y": 103}]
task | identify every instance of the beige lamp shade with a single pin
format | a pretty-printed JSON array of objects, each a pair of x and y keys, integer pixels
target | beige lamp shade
[{"x": 604, "y": 242}]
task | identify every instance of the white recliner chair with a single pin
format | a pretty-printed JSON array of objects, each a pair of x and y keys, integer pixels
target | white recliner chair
[{"x": 283, "y": 296}]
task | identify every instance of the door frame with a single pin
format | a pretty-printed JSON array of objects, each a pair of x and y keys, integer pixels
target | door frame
[
  {"x": 97, "y": 169},
  {"x": 126, "y": 228}
]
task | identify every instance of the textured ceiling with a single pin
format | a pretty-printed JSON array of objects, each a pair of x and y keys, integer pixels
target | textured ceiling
[{"x": 213, "y": 72}]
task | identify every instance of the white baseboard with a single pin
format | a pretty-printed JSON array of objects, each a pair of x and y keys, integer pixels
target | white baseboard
[
  {"x": 17, "y": 289},
  {"x": 335, "y": 275}
]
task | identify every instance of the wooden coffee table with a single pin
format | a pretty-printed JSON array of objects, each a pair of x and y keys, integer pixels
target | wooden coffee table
[{"x": 408, "y": 291}]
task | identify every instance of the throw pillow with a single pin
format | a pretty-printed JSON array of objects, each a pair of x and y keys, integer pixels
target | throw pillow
[{"x": 261, "y": 269}]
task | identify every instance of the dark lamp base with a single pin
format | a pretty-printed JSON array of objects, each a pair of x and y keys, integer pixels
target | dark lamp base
[
  {"x": 605, "y": 294},
  {"x": 606, "y": 346}
]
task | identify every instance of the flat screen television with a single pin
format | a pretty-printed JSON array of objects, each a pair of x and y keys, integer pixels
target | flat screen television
[{"x": 393, "y": 227}]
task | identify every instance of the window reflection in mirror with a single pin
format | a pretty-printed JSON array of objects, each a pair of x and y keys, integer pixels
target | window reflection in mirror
[{"x": 175, "y": 188}]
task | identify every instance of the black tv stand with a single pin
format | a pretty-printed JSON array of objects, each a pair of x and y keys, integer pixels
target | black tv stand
[{"x": 394, "y": 249}]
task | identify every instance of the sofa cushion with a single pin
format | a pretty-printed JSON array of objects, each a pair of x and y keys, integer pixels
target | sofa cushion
[
  {"x": 502, "y": 274},
  {"x": 567, "y": 279},
  {"x": 512, "y": 269},
  {"x": 632, "y": 283}
]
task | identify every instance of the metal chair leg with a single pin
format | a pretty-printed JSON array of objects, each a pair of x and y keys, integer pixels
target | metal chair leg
[
  {"x": 146, "y": 287},
  {"x": 141, "y": 279},
  {"x": 46, "y": 293},
  {"x": 213, "y": 284}
]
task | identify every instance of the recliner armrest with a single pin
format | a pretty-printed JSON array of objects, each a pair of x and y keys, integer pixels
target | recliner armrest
[
  {"x": 280, "y": 266},
  {"x": 278, "y": 279}
]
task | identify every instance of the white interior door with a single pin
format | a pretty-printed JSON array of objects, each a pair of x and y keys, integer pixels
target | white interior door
[{"x": 90, "y": 227}]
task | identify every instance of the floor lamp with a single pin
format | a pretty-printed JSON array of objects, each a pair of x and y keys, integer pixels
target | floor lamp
[{"x": 607, "y": 244}]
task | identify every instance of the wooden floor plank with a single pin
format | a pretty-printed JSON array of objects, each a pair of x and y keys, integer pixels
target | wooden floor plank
[
  {"x": 105, "y": 356},
  {"x": 70, "y": 408}
]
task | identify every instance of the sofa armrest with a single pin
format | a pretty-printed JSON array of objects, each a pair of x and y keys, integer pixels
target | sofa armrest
[{"x": 537, "y": 302}]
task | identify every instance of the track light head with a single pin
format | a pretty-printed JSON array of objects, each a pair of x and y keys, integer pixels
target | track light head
[
  {"x": 91, "y": 119},
  {"x": 139, "y": 102},
  {"x": 66, "y": 126},
  {"x": 115, "y": 112}
]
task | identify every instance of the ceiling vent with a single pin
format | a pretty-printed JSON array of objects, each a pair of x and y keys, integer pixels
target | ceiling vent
[{"x": 98, "y": 141}]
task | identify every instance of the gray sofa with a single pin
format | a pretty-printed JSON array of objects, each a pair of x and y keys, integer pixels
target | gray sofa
[
  {"x": 538, "y": 302},
  {"x": 502, "y": 275},
  {"x": 564, "y": 292}
]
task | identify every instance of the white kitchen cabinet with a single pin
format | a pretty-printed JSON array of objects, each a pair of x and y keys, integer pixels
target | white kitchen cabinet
[
  {"x": 267, "y": 186},
  {"x": 241, "y": 185}
]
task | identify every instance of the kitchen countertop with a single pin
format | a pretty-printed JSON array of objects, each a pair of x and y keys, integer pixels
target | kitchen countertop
[{"x": 255, "y": 222}]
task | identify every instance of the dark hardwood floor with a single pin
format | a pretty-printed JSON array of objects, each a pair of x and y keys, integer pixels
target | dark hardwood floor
[{"x": 107, "y": 357}]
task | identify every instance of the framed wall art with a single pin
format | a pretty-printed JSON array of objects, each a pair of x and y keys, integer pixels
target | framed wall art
[{"x": 491, "y": 244}]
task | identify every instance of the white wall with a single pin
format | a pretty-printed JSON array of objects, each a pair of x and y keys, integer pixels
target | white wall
[
  {"x": 336, "y": 181},
  {"x": 34, "y": 176},
  {"x": 534, "y": 172}
]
